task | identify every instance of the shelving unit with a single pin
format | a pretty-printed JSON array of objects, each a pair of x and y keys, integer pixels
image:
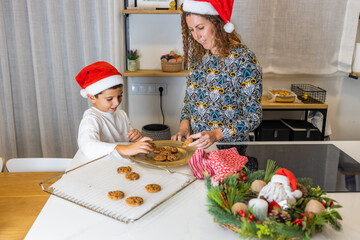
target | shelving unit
[
  {"x": 148, "y": 11},
  {"x": 155, "y": 73},
  {"x": 148, "y": 72}
]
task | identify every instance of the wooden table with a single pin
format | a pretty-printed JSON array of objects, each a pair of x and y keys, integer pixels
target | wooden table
[
  {"x": 321, "y": 107},
  {"x": 21, "y": 200}
]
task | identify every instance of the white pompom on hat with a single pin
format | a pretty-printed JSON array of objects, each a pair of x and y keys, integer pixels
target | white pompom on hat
[
  {"x": 97, "y": 77},
  {"x": 223, "y": 8},
  {"x": 286, "y": 177}
]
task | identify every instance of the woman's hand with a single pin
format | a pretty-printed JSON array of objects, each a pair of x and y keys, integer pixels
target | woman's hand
[
  {"x": 141, "y": 146},
  {"x": 134, "y": 135},
  {"x": 184, "y": 131},
  {"x": 206, "y": 138}
]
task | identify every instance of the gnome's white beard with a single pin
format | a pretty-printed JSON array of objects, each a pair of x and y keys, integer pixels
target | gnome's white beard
[{"x": 277, "y": 193}]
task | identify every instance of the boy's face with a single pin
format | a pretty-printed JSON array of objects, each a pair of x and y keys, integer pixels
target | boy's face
[{"x": 108, "y": 100}]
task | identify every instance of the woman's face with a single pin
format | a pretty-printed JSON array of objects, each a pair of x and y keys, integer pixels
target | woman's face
[{"x": 203, "y": 31}]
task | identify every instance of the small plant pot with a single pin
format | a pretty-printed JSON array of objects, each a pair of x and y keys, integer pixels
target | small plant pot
[{"x": 132, "y": 65}]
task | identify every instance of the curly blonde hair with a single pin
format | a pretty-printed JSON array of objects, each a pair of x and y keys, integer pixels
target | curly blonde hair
[{"x": 194, "y": 51}]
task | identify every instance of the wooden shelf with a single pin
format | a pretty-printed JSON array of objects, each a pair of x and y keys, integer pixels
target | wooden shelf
[
  {"x": 274, "y": 105},
  {"x": 149, "y": 11},
  {"x": 155, "y": 73}
]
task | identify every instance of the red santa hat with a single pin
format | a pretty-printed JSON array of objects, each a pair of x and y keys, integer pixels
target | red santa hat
[
  {"x": 98, "y": 77},
  {"x": 286, "y": 177},
  {"x": 212, "y": 7}
]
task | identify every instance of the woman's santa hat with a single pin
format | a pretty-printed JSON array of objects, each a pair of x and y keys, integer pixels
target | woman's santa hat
[
  {"x": 287, "y": 178},
  {"x": 212, "y": 7},
  {"x": 97, "y": 77}
]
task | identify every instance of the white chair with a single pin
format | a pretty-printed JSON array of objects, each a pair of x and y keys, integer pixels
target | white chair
[
  {"x": 2, "y": 164},
  {"x": 37, "y": 164}
]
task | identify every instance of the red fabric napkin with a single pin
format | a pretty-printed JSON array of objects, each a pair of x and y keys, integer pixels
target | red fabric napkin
[
  {"x": 199, "y": 165},
  {"x": 224, "y": 162},
  {"x": 219, "y": 163}
]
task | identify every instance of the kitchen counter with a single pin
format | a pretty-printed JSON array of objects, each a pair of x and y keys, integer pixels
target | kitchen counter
[{"x": 184, "y": 216}]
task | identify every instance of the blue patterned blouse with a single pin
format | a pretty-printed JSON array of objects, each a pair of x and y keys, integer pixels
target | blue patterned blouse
[{"x": 225, "y": 93}]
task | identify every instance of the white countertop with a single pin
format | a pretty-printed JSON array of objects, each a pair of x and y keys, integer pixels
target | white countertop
[{"x": 182, "y": 217}]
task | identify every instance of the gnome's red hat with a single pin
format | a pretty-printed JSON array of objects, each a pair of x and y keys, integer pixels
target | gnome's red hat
[
  {"x": 223, "y": 8},
  {"x": 98, "y": 77},
  {"x": 286, "y": 177}
]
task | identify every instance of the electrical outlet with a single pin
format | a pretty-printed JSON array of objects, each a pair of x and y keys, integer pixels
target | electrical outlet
[
  {"x": 164, "y": 86},
  {"x": 147, "y": 88}
]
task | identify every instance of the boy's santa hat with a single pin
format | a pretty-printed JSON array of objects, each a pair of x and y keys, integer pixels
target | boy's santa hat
[
  {"x": 97, "y": 77},
  {"x": 212, "y": 7},
  {"x": 287, "y": 178}
]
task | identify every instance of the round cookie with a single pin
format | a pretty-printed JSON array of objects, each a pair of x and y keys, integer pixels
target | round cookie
[
  {"x": 134, "y": 201},
  {"x": 116, "y": 195},
  {"x": 173, "y": 157},
  {"x": 152, "y": 188},
  {"x": 123, "y": 170},
  {"x": 160, "y": 157},
  {"x": 187, "y": 142},
  {"x": 132, "y": 176},
  {"x": 173, "y": 149}
]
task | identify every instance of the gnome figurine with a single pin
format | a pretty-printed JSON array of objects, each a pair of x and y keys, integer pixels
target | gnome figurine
[{"x": 281, "y": 187}]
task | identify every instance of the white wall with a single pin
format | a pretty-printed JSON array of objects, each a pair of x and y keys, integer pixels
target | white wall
[{"x": 155, "y": 35}]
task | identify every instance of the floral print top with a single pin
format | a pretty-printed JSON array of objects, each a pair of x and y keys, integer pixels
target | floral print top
[{"x": 225, "y": 93}]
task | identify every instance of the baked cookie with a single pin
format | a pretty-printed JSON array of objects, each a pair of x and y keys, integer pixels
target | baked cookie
[
  {"x": 152, "y": 188},
  {"x": 187, "y": 142},
  {"x": 116, "y": 195},
  {"x": 173, "y": 149},
  {"x": 123, "y": 170},
  {"x": 158, "y": 150},
  {"x": 160, "y": 157},
  {"x": 134, "y": 201},
  {"x": 132, "y": 176},
  {"x": 173, "y": 157},
  {"x": 153, "y": 145}
]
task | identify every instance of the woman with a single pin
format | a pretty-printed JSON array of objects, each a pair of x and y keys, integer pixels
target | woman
[{"x": 224, "y": 87}]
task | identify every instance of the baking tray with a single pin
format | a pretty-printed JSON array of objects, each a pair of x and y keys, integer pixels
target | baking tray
[{"x": 89, "y": 184}]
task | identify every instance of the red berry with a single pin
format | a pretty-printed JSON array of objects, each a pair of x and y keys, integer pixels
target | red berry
[
  {"x": 244, "y": 178},
  {"x": 258, "y": 222},
  {"x": 241, "y": 211},
  {"x": 249, "y": 221},
  {"x": 242, "y": 175},
  {"x": 243, "y": 214},
  {"x": 324, "y": 203},
  {"x": 331, "y": 204},
  {"x": 251, "y": 217}
]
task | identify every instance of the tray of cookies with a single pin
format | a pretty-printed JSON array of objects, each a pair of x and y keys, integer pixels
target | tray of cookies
[
  {"x": 118, "y": 187},
  {"x": 167, "y": 153}
]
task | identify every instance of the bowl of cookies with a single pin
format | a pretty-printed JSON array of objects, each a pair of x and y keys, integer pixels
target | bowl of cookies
[{"x": 167, "y": 153}]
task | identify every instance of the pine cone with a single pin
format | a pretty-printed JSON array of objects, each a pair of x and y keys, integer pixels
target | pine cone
[
  {"x": 303, "y": 189},
  {"x": 280, "y": 216}
]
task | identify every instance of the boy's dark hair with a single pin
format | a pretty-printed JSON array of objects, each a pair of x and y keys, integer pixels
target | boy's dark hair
[{"x": 113, "y": 87}]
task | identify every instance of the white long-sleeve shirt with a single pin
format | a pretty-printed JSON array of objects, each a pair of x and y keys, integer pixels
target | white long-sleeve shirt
[{"x": 100, "y": 132}]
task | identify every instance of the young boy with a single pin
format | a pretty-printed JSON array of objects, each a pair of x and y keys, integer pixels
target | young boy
[{"x": 103, "y": 126}]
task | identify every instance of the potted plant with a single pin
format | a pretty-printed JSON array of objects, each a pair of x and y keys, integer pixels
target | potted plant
[{"x": 132, "y": 57}]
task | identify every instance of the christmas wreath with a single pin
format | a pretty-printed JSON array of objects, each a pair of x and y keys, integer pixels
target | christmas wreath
[{"x": 271, "y": 204}]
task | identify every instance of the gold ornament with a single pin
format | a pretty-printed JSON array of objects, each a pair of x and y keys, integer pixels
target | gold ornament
[
  {"x": 172, "y": 5},
  {"x": 314, "y": 206},
  {"x": 239, "y": 206},
  {"x": 257, "y": 185}
]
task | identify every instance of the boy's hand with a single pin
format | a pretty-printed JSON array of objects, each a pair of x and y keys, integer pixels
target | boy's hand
[
  {"x": 141, "y": 146},
  {"x": 134, "y": 135}
]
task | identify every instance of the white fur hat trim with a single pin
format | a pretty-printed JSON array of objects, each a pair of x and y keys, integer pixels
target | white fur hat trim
[
  {"x": 102, "y": 85},
  {"x": 199, "y": 7}
]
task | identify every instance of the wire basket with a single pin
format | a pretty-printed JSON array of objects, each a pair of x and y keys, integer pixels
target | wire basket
[{"x": 308, "y": 93}]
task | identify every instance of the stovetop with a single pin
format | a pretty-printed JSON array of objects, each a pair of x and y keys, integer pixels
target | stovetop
[{"x": 328, "y": 166}]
